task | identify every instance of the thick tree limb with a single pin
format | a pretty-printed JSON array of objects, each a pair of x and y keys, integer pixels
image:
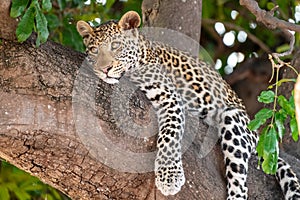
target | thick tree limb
[
  {"x": 38, "y": 134},
  {"x": 37, "y": 125},
  {"x": 159, "y": 13},
  {"x": 7, "y": 24}
]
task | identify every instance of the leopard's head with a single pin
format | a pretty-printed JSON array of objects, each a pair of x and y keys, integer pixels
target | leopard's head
[{"x": 112, "y": 47}]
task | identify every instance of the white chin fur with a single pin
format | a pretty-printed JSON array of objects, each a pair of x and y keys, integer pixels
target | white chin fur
[
  {"x": 103, "y": 77},
  {"x": 110, "y": 80}
]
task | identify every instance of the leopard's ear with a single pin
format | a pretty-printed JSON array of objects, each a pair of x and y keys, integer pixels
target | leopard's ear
[
  {"x": 83, "y": 28},
  {"x": 130, "y": 20}
]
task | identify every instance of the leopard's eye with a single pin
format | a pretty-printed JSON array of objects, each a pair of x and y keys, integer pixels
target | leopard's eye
[
  {"x": 115, "y": 45},
  {"x": 94, "y": 50}
]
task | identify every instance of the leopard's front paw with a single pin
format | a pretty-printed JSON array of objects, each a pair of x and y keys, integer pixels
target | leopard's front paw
[{"x": 169, "y": 178}]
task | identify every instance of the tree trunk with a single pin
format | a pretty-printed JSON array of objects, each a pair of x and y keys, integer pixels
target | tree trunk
[
  {"x": 179, "y": 15},
  {"x": 51, "y": 105}
]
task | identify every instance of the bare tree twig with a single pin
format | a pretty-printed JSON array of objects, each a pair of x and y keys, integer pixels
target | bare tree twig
[
  {"x": 271, "y": 22},
  {"x": 291, "y": 45},
  {"x": 267, "y": 18}
]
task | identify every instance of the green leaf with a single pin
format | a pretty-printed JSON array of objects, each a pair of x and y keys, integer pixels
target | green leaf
[
  {"x": 286, "y": 105},
  {"x": 269, "y": 164},
  {"x": 41, "y": 25},
  {"x": 70, "y": 36},
  {"x": 279, "y": 122},
  {"x": 109, "y": 3},
  {"x": 77, "y": 2},
  {"x": 4, "y": 194},
  {"x": 294, "y": 129},
  {"x": 260, "y": 118},
  {"x": 18, "y": 7},
  {"x": 12, "y": 186},
  {"x": 270, "y": 153},
  {"x": 55, "y": 194},
  {"x": 270, "y": 143},
  {"x": 254, "y": 124},
  {"x": 260, "y": 145},
  {"x": 270, "y": 5},
  {"x": 61, "y": 4},
  {"x": 46, "y": 5},
  {"x": 292, "y": 100},
  {"x": 53, "y": 21},
  {"x": 31, "y": 186},
  {"x": 48, "y": 197},
  {"x": 26, "y": 25},
  {"x": 22, "y": 195},
  {"x": 266, "y": 96},
  {"x": 208, "y": 7},
  {"x": 283, "y": 48}
]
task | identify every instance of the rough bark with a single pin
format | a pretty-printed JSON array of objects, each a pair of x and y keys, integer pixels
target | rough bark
[
  {"x": 179, "y": 15},
  {"x": 8, "y": 25},
  {"x": 39, "y": 131},
  {"x": 37, "y": 125}
]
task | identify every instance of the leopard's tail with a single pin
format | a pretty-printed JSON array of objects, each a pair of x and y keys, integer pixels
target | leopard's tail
[{"x": 288, "y": 181}]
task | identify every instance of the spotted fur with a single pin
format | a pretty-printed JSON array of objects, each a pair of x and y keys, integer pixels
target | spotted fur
[{"x": 176, "y": 83}]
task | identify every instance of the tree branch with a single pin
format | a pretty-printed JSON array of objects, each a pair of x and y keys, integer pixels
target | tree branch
[{"x": 267, "y": 18}]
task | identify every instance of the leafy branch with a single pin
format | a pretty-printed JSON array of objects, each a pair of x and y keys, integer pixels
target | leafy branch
[
  {"x": 267, "y": 17},
  {"x": 33, "y": 18},
  {"x": 282, "y": 110},
  {"x": 56, "y": 19}
]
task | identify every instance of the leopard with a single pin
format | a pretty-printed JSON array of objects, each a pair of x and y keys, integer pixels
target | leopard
[{"x": 176, "y": 82}]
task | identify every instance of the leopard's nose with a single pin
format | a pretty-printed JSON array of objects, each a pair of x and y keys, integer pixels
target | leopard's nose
[{"x": 105, "y": 70}]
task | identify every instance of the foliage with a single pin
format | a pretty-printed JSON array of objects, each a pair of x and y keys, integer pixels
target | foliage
[
  {"x": 16, "y": 184},
  {"x": 275, "y": 122},
  {"x": 57, "y": 19},
  {"x": 32, "y": 19},
  {"x": 282, "y": 115},
  {"x": 260, "y": 40}
]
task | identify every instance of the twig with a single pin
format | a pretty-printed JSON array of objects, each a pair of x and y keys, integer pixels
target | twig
[
  {"x": 288, "y": 52},
  {"x": 267, "y": 18}
]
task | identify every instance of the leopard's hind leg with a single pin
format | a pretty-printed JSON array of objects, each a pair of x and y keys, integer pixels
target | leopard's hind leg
[
  {"x": 288, "y": 181},
  {"x": 237, "y": 143}
]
